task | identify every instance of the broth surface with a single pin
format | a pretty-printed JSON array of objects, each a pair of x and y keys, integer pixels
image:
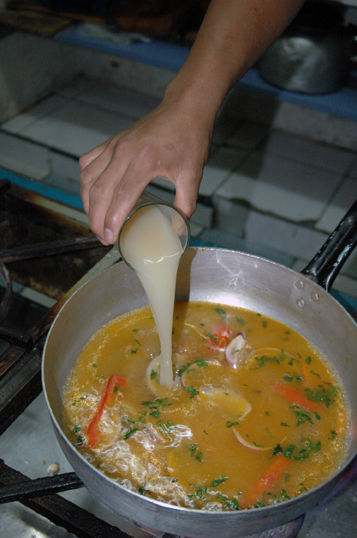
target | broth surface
[{"x": 255, "y": 417}]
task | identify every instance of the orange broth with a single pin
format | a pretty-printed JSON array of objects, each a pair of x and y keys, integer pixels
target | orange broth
[{"x": 227, "y": 435}]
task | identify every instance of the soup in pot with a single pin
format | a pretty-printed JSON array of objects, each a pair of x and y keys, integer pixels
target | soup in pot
[{"x": 255, "y": 416}]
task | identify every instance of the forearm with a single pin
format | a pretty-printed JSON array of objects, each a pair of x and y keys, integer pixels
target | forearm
[{"x": 233, "y": 35}]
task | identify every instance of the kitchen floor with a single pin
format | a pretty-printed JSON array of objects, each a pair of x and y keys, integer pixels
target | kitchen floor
[{"x": 266, "y": 190}]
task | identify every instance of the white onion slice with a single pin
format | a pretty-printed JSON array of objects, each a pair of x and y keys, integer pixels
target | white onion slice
[
  {"x": 247, "y": 444},
  {"x": 235, "y": 352}
]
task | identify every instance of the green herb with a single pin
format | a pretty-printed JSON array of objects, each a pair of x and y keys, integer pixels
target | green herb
[
  {"x": 314, "y": 373},
  {"x": 185, "y": 368},
  {"x": 308, "y": 360},
  {"x": 94, "y": 365},
  {"x": 285, "y": 424},
  {"x": 240, "y": 320},
  {"x": 229, "y": 504},
  {"x": 217, "y": 481},
  {"x": 116, "y": 388},
  {"x": 325, "y": 393},
  {"x": 154, "y": 405},
  {"x": 77, "y": 428},
  {"x": 153, "y": 374},
  {"x": 141, "y": 490},
  {"x": 199, "y": 493},
  {"x": 264, "y": 323},
  {"x": 74, "y": 402},
  {"x": 295, "y": 453},
  {"x": 220, "y": 311},
  {"x": 292, "y": 377},
  {"x": 137, "y": 341},
  {"x": 230, "y": 424},
  {"x": 333, "y": 434},
  {"x": 166, "y": 427},
  {"x": 133, "y": 351},
  {"x": 130, "y": 432},
  {"x": 213, "y": 337},
  {"x": 79, "y": 441},
  {"x": 263, "y": 360},
  {"x": 302, "y": 416},
  {"x": 195, "y": 453},
  {"x": 267, "y": 413},
  {"x": 192, "y": 391}
]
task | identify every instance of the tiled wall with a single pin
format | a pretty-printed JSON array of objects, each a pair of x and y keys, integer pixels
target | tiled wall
[{"x": 278, "y": 179}]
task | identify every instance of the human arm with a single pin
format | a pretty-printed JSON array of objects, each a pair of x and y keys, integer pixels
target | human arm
[{"x": 173, "y": 140}]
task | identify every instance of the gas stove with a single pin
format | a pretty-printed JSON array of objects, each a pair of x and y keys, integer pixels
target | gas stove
[{"x": 45, "y": 247}]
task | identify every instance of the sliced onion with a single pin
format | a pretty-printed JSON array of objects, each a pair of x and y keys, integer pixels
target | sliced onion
[
  {"x": 236, "y": 351},
  {"x": 247, "y": 444},
  {"x": 214, "y": 393}
]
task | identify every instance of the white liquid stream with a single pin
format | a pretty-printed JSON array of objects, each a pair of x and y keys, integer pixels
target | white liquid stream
[{"x": 152, "y": 247}]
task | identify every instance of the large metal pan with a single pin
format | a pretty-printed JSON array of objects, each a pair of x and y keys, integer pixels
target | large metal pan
[{"x": 226, "y": 277}]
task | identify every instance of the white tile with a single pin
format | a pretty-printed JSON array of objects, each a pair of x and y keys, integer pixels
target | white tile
[
  {"x": 120, "y": 100},
  {"x": 218, "y": 168},
  {"x": 203, "y": 216},
  {"x": 309, "y": 152},
  {"x": 76, "y": 86},
  {"x": 353, "y": 171},
  {"x": 34, "y": 113},
  {"x": 38, "y": 297},
  {"x": 62, "y": 165},
  {"x": 248, "y": 135},
  {"x": 229, "y": 217},
  {"x": 342, "y": 201},
  {"x": 23, "y": 157},
  {"x": 292, "y": 239},
  {"x": 76, "y": 128},
  {"x": 283, "y": 187}
]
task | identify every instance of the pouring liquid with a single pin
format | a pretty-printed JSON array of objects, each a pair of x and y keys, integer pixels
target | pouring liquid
[{"x": 151, "y": 246}]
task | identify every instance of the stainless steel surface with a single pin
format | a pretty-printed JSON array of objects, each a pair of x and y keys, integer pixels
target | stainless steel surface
[
  {"x": 214, "y": 275},
  {"x": 307, "y": 62}
]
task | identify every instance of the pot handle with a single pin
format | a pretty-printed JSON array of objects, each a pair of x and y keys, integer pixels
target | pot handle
[{"x": 326, "y": 264}]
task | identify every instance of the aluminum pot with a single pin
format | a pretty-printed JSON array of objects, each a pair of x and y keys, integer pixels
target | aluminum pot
[
  {"x": 227, "y": 277},
  {"x": 314, "y": 55}
]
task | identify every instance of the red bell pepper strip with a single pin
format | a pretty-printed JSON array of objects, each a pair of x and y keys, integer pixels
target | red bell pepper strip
[
  {"x": 114, "y": 383},
  {"x": 294, "y": 396},
  {"x": 274, "y": 470}
]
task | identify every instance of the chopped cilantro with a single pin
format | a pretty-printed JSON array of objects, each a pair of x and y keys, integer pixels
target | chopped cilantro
[
  {"x": 229, "y": 424},
  {"x": 325, "y": 393},
  {"x": 217, "y": 481},
  {"x": 195, "y": 453},
  {"x": 192, "y": 391},
  {"x": 153, "y": 374},
  {"x": 79, "y": 440},
  {"x": 130, "y": 432},
  {"x": 77, "y": 428},
  {"x": 240, "y": 320}
]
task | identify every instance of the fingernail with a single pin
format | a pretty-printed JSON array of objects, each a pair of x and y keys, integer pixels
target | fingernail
[{"x": 108, "y": 235}]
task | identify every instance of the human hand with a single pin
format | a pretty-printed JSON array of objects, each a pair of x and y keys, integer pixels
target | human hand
[{"x": 171, "y": 142}]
